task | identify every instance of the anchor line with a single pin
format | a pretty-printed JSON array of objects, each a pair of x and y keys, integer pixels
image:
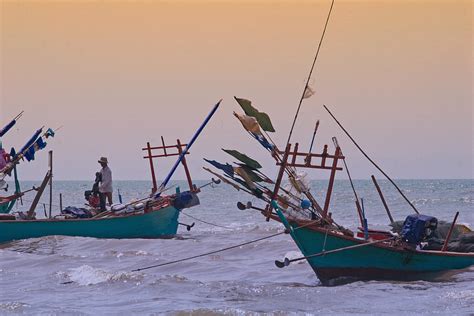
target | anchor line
[
  {"x": 209, "y": 253},
  {"x": 226, "y": 248},
  {"x": 202, "y": 221}
]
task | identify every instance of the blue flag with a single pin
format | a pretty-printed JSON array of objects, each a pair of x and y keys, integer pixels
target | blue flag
[
  {"x": 228, "y": 169},
  {"x": 263, "y": 141},
  {"x": 31, "y": 141},
  {"x": 38, "y": 145}
]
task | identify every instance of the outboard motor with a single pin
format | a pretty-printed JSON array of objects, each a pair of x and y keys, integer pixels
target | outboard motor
[
  {"x": 418, "y": 228},
  {"x": 185, "y": 200}
]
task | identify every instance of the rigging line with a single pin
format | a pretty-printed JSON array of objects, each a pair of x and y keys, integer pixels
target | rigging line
[
  {"x": 202, "y": 221},
  {"x": 310, "y": 72},
  {"x": 334, "y": 140},
  {"x": 219, "y": 250},
  {"x": 368, "y": 158},
  {"x": 209, "y": 253}
]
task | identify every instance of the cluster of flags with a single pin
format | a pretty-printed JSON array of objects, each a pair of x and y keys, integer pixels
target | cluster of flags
[
  {"x": 246, "y": 170},
  {"x": 34, "y": 144},
  {"x": 8, "y": 161},
  {"x": 254, "y": 122}
]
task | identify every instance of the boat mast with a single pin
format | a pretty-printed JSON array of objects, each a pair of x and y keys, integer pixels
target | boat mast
[{"x": 310, "y": 74}]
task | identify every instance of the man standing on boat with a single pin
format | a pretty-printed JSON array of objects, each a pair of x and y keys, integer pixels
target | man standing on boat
[{"x": 105, "y": 186}]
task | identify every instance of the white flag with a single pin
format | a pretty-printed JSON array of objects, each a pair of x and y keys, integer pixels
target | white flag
[{"x": 308, "y": 92}]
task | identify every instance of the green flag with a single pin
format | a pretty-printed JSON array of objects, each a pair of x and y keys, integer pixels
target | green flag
[
  {"x": 243, "y": 158},
  {"x": 262, "y": 118}
]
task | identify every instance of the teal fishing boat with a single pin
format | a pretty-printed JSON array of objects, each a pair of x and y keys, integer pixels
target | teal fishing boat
[
  {"x": 154, "y": 216},
  {"x": 417, "y": 248},
  {"x": 159, "y": 223},
  {"x": 336, "y": 257},
  {"x": 414, "y": 249}
]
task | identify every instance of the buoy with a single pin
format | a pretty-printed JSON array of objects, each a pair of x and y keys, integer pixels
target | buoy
[{"x": 305, "y": 204}]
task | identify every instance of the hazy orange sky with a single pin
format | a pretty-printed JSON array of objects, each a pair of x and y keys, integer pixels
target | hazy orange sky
[{"x": 116, "y": 74}]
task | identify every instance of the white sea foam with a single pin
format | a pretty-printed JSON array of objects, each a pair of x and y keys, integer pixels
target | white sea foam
[
  {"x": 87, "y": 275},
  {"x": 466, "y": 295},
  {"x": 12, "y": 306}
]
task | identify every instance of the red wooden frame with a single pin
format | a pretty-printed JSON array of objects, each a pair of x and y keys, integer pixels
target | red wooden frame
[
  {"x": 166, "y": 153},
  {"x": 290, "y": 159}
]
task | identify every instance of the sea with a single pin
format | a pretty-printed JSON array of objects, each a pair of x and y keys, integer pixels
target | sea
[{"x": 59, "y": 275}]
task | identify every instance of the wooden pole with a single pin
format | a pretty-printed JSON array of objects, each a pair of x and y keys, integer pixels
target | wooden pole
[
  {"x": 445, "y": 246},
  {"x": 164, "y": 146},
  {"x": 359, "y": 211},
  {"x": 152, "y": 168},
  {"x": 366, "y": 226},
  {"x": 185, "y": 165},
  {"x": 314, "y": 136},
  {"x": 50, "y": 182},
  {"x": 284, "y": 161},
  {"x": 383, "y": 199},
  {"x": 43, "y": 185},
  {"x": 295, "y": 151},
  {"x": 331, "y": 182},
  {"x": 324, "y": 154},
  {"x": 358, "y": 208}
]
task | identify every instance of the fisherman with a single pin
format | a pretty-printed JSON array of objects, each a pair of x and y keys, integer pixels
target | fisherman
[{"x": 105, "y": 186}]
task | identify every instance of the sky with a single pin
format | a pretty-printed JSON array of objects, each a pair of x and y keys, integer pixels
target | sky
[{"x": 116, "y": 74}]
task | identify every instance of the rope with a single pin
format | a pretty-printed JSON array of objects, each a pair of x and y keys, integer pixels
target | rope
[
  {"x": 369, "y": 159},
  {"x": 209, "y": 253},
  {"x": 224, "y": 249},
  {"x": 202, "y": 221}
]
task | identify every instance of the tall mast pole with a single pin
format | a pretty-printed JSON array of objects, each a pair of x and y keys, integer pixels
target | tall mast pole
[{"x": 310, "y": 73}]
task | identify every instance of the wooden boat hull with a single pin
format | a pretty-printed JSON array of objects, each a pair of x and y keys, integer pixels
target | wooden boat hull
[
  {"x": 374, "y": 262},
  {"x": 156, "y": 224}
]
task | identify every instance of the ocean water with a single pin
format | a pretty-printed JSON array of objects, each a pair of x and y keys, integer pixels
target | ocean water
[{"x": 241, "y": 281}]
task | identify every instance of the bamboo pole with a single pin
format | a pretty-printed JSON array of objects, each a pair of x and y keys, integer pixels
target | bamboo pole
[
  {"x": 445, "y": 246},
  {"x": 383, "y": 199},
  {"x": 359, "y": 211},
  {"x": 50, "y": 182},
  {"x": 43, "y": 185}
]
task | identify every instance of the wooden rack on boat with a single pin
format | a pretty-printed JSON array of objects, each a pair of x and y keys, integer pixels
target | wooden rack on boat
[
  {"x": 166, "y": 153},
  {"x": 293, "y": 159}
]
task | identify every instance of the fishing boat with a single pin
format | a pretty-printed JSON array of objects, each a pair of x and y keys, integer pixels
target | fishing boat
[
  {"x": 154, "y": 216},
  {"x": 408, "y": 252},
  {"x": 416, "y": 248},
  {"x": 154, "y": 223},
  {"x": 336, "y": 257},
  {"x": 333, "y": 251}
]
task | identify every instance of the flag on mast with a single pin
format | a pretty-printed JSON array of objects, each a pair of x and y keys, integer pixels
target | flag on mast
[{"x": 308, "y": 92}]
